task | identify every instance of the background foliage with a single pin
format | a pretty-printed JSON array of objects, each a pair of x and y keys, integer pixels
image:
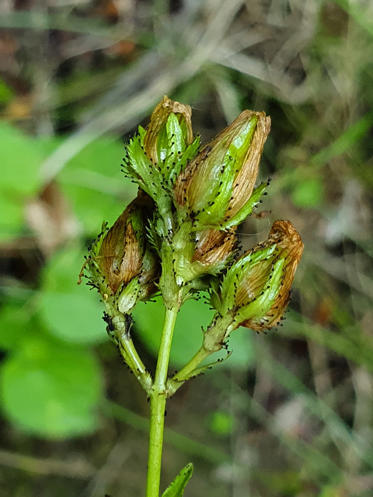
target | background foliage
[{"x": 288, "y": 414}]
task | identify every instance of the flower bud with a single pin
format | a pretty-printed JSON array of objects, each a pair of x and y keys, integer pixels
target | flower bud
[
  {"x": 208, "y": 253},
  {"x": 120, "y": 255},
  {"x": 256, "y": 288},
  {"x": 156, "y": 155},
  {"x": 169, "y": 121},
  {"x": 217, "y": 187},
  {"x": 121, "y": 265}
]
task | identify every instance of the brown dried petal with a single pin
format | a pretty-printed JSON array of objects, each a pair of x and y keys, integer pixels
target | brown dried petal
[
  {"x": 245, "y": 180},
  {"x": 214, "y": 246},
  {"x": 120, "y": 255}
]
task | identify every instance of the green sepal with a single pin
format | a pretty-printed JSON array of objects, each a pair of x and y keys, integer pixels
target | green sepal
[
  {"x": 247, "y": 209},
  {"x": 177, "y": 487},
  {"x": 95, "y": 276},
  {"x": 172, "y": 150},
  {"x": 217, "y": 198},
  {"x": 128, "y": 297},
  {"x": 224, "y": 300},
  {"x": 139, "y": 168}
]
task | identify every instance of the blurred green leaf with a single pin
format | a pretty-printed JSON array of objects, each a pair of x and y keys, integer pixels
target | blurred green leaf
[
  {"x": 51, "y": 390},
  {"x": 221, "y": 423},
  {"x": 6, "y": 93},
  {"x": 350, "y": 137},
  {"x": 188, "y": 335},
  {"x": 11, "y": 215},
  {"x": 176, "y": 488},
  {"x": 20, "y": 161},
  {"x": 94, "y": 184},
  {"x": 20, "y": 158},
  {"x": 73, "y": 317},
  {"x": 14, "y": 324},
  {"x": 308, "y": 193},
  {"x": 70, "y": 312}
]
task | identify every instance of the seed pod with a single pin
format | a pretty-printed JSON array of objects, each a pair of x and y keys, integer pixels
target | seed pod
[
  {"x": 256, "y": 289},
  {"x": 217, "y": 187}
]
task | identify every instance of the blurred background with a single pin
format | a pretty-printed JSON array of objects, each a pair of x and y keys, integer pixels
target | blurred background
[{"x": 290, "y": 413}]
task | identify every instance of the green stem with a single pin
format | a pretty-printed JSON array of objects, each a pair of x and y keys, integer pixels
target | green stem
[
  {"x": 134, "y": 362},
  {"x": 127, "y": 348},
  {"x": 187, "y": 371},
  {"x": 158, "y": 405},
  {"x": 213, "y": 340}
]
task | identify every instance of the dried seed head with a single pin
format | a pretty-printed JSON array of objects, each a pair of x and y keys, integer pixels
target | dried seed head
[{"x": 217, "y": 185}]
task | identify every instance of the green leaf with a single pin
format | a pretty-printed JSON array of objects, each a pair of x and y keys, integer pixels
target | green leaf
[
  {"x": 70, "y": 311},
  {"x": 51, "y": 390},
  {"x": 308, "y": 193},
  {"x": 14, "y": 325},
  {"x": 188, "y": 335},
  {"x": 94, "y": 184},
  {"x": 176, "y": 488},
  {"x": 221, "y": 423},
  {"x": 11, "y": 215},
  {"x": 20, "y": 159}
]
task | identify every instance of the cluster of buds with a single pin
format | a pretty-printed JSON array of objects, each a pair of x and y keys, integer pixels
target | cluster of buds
[{"x": 183, "y": 224}]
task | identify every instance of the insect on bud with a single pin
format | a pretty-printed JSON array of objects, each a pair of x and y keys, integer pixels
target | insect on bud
[
  {"x": 217, "y": 187},
  {"x": 256, "y": 288},
  {"x": 169, "y": 121},
  {"x": 120, "y": 264}
]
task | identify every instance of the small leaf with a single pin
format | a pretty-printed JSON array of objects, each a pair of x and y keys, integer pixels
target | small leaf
[
  {"x": 308, "y": 193},
  {"x": 176, "y": 488}
]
